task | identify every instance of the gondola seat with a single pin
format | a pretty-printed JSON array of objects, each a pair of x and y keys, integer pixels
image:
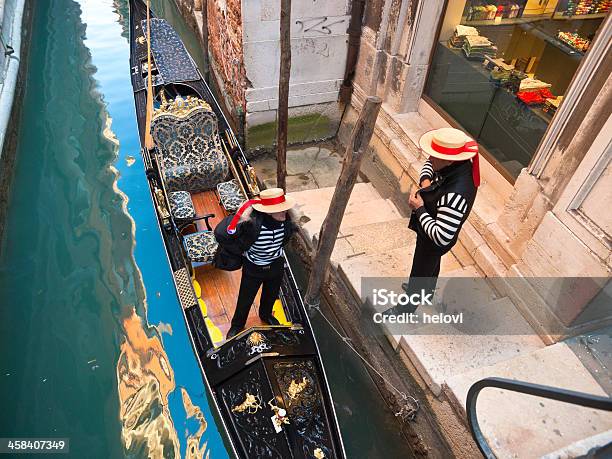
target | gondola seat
[
  {"x": 181, "y": 205},
  {"x": 201, "y": 246},
  {"x": 230, "y": 195},
  {"x": 186, "y": 133}
]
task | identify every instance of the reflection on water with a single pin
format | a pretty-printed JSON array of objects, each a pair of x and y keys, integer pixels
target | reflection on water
[
  {"x": 145, "y": 379},
  {"x": 83, "y": 274},
  {"x": 194, "y": 447}
]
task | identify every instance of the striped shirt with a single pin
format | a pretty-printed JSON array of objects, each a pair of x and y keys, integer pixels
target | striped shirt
[
  {"x": 443, "y": 229},
  {"x": 427, "y": 172},
  {"x": 268, "y": 246}
]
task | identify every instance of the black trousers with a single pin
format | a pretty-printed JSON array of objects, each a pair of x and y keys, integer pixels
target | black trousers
[
  {"x": 425, "y": 267},
  {"x": 254, "y": 277}
]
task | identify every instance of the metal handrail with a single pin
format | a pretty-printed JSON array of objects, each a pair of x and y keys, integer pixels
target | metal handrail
[{"x": 538, "y": 390}]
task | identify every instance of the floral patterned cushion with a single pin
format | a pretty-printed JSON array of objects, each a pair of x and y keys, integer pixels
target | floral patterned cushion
[
  {"x": 231, "y": 195},
  {"x": 201, "y": 246},
  {"x": 192, "y": 155},
  {"x": 181, "y": 205}
]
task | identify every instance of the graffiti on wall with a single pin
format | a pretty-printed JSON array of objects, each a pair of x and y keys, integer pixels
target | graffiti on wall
[{"x": 322, "y": 25}]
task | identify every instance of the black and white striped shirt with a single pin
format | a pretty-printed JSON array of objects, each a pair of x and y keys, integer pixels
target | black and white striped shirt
[
  {"x": 268, "y": 246},
  {"x": 427, "y": 172},
  {"x": 451, "y": 209}
]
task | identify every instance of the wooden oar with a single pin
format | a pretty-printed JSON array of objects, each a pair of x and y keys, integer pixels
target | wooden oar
[{"x": 149, "y": 144}]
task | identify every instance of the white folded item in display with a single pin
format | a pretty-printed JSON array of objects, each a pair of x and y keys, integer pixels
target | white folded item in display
[
  {"x": 464, "y": 31},
  {"x": 531, "y": 83},
  {"x": 477, "y": 41}
]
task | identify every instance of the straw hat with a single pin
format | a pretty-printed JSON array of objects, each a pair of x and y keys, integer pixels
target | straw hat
[
  {"x": 273, "y": 200},
  {"x": 452, "y": 145},
  {"x": 449, "y": 144}
]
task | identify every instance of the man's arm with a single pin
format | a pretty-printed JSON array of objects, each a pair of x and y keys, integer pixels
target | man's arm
[
  {"x": 427, "y": 174},
  {"x": 442, "y": 229}
]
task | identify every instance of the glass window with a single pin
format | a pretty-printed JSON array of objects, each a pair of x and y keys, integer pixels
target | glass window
[{"x": 501, "y": 68}]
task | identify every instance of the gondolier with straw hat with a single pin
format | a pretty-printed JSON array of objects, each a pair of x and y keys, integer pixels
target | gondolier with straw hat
[
  {"x": 254, "y": 238},
  {"x": 442, "y": 202}
]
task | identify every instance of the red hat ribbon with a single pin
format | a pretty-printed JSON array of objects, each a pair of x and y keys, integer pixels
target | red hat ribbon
[
  {"x": 231, "y": 228},
  {"x": 471, "y": 147}
]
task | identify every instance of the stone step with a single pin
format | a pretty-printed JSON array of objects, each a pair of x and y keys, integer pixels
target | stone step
[
  {"x": 518, "y": 425},
  {"x": 594, "y": 349},
  {"x": 357, "y": 214},
  {"x": 372, "y": 238},
  {"x": 602, "y": 443},
  {"x": 362, "y": 192},
  {"x": 490, "y": 333},
  {"x": 393, "y": 265},
  {"x": 314, "y": 209}
]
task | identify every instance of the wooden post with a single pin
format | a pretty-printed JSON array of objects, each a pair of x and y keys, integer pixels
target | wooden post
[
  {"x": 283, "y": 94},
  {"x": 355, "y": 152}
]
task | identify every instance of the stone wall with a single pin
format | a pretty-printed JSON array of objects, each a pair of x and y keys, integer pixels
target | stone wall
[
  {"x": 225, "y": 49},
  {"x": 8, "y": 146}
]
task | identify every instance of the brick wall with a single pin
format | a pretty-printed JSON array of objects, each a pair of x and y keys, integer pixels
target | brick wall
[{"x": 225, "y": 48}]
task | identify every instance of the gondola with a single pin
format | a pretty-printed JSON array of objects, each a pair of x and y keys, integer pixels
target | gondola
[{"x": 267, "y": 383}]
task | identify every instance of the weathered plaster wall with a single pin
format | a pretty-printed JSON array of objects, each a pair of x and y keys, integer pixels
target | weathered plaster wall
[{"x": 318, "y": 57}]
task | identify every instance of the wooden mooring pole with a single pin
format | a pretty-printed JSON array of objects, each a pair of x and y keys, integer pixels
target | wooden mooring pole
[
  {"x": 355, "y": 152},
  {"x": 283, "y": 94}
]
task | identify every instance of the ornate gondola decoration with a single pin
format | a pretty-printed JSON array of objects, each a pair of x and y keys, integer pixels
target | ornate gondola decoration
[
  {"x": 251, "y": 405},
  {"x": 198, "y": 174}
]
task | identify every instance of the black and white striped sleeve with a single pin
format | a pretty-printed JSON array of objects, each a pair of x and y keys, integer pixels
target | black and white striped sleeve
[
  {"x": 427, "y": 172},
  {"x": 442, "y": 229}
]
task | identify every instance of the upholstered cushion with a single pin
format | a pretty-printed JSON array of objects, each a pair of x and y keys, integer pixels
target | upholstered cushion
[
  {"x": 201, "y": 246},
  {"x": 231, "y": 195},
  {"x": 181, "y": 205},
  {"x": 192, "y": 154}
]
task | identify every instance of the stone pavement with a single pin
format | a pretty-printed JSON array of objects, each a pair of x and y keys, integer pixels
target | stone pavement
[{"x": 374, "y": 241}]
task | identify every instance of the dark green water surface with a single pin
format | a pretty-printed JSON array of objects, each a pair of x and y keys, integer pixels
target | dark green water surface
[{"x": 93, "y": 343}]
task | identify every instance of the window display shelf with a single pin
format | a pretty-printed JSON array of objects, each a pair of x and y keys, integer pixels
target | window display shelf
[
  {"x": 505, "y": 21},
  {"x": 560, "y": 16},
  {"x": 554, "y": 41}
]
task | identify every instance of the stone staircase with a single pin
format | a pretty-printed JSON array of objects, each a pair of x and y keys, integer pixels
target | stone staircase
[{"x": 375, "y": 241}]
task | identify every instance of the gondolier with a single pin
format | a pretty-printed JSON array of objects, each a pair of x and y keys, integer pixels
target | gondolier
[
  {"x": 261, "y": 229},
  {"x": 448, "y": 183}
]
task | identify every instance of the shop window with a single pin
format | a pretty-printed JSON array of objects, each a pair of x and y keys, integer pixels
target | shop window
[{"x": 500, "y": 69}]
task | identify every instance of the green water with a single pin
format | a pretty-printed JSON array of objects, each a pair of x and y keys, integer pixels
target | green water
[{"x": 93, "y": 343}]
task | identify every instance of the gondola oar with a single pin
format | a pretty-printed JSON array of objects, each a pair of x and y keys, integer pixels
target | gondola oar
[{"x": 149, "y": 144}]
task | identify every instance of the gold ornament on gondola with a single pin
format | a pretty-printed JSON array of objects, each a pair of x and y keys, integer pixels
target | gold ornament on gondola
[
  {"x": 295, "y": 388},
  {"x": 255, "y": 339},
  {"x": 179, "y": 106},
  {"x": 319, "y": 454},
  {"x": 251, "y": 405}
]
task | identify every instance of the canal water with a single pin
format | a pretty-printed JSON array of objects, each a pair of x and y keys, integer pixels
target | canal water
[
  {"x": 93, "y": 345},
  {"x": 93, "y": 342}
]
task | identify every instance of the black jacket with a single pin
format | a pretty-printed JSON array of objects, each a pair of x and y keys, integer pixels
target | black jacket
[
  {"x": 456, "y": 178},
  {"x": 232, "y": 246}
]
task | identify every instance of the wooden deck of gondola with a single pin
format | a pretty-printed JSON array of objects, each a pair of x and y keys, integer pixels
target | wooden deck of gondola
[{"x": 219, "y": 288}]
